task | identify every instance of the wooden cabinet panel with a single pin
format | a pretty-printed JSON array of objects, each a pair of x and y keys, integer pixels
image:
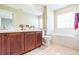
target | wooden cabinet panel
[
  {"x": 38, "y": 38},
  {"x": 29, "y": 41},
  {"x": 16, "y": 43},
  {"x": 5, "y": 45},
  {"x": 25, "y": 42},
  {"x": 0, "y": 44}
]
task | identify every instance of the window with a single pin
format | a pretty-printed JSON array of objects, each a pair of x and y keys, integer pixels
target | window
[{"x": 66, "y": 20}]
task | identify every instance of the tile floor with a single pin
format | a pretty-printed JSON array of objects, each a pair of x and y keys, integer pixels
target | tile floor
[{"x": 53, "y": 49}]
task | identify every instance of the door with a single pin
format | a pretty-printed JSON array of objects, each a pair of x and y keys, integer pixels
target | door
[
  {"x": 38, "y": 38},
  {"x": 16, "y": 43},
  {"x": 29, "y": 41}
]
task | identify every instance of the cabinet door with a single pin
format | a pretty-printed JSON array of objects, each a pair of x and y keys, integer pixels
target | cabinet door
[
  {"x": 0, "y": 44},
  {"x": 16, "y": 43},
  {"x": 38, "y": 38},
  {"x": 29, "y": 41},
  {"x": 5, "y": 45}
]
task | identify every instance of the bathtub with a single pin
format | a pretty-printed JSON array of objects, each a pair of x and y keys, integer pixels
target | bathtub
[{"x": 67, "y": 40}]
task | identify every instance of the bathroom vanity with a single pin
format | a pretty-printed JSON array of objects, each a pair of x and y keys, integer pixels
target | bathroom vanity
[{"x": 19, "y": 42}]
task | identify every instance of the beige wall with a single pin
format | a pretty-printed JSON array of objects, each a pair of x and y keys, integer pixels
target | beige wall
[
  {"x": 23, "y": 18},
  {"x": 19, "y": 17},
  {"x": 50, "y": 21},
  {"x": 69, "y": 8}
]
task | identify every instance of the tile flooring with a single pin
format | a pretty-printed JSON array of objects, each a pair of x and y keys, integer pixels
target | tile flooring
[{"x": 53, "y": 49}]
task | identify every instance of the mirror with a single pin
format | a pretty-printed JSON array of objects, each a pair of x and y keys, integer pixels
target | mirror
[
  {"x": 6, "y": 19},
  {"x": 6, "y": 23}
]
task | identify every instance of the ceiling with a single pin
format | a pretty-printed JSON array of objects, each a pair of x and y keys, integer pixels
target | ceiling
[
  {"x": 57, "y": 6},
  {"x": 26, "y": 8},
  {"x": 36, "y": 9}
]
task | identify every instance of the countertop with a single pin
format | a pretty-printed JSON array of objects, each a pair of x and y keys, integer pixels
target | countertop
[{"x": 28, "y": 30}]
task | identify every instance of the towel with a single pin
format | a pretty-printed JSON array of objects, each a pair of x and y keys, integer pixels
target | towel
[{"x": 76, "y": 21}]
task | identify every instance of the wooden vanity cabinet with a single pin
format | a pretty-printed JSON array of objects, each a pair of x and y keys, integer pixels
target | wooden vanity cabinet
[
  {"x": 38, "y": 38},
  {"x": 29, "y": 41},
  {"x": 16, "y": 43},
  {"x": 11, "y": 43}
]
